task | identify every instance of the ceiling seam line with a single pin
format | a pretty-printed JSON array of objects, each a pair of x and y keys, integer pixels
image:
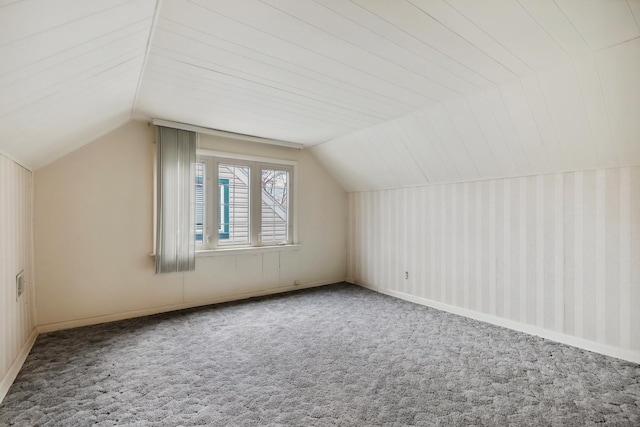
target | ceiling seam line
[
  {"x": 237, "y": 96},
  {"x": 408, "y": 90},
  {"x": 450, "y": 169},
  {"x": 439, "y": 138},
  {"x": 634, "y": 16},
  {"x": 232, "y": 113},
  {"x": 434, "y": 145},
  {"x": 464, "y": 144},
  {"x": 368, "y": 51},
  {"x": 526, "y": 98},
  {"x": 544, "y": 29},
  {"x": 400, "y": 134},
  {"x": 67, "y": 23},
  {"x": 493, "y": 115},
  {"x": 9, "y": 4},
  {"x": 432, "y": 63},
  {"x": 152, "y": 30},
  {"x": 301, "y": 117},
  {"x": 22, "y": 78},
  {"x": 432, "y": 47},
  {"x": 586, "y": 111},
  {"x": 493, "y": 38},
  {"x": 277, "y": 100},
  {"x": 61, "y": 88},
  {"x": 236, "y": 90},
  {"x": 606, "y": 109},
  {"x": 573, "y": 25},
  {"x": 469, "y": 42},
  {"x": 616, "y": 44},
  {"x": 293, "y": 72},
  {"x": 484, "y": 137},
  {"x": 79, "y": 45},
  {"x": 515, "y": 130},
  {"x": 273, "y": 87},
  {"x": 435, "y": 64}
]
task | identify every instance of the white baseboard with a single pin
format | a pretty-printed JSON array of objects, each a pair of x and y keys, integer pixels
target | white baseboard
[
  {"x": 51, "y": 327},
  {"x": 15, "y": 367},
  {"x": 620, "y": 353}
]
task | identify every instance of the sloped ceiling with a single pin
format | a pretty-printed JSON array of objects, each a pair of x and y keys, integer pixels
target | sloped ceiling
[
  {"x": 583, "y": 114},
  {"x": 69, "y": 70},
  {"x": 405, "y": 91}
]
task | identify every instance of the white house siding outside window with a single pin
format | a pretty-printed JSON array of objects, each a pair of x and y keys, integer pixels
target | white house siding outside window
[{"x": 243, "y": 203}]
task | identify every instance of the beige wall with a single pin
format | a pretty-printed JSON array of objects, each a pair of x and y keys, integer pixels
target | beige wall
[
  {"x": 16, "y": 314},
  {"x": 556, "y": 255},
  {"x": 93, "y": 225}
]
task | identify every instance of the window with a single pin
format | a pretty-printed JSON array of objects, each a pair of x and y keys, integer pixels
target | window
[
  {"x": 199, "y": 203},
  {"x": 275, "y": 197},
  {"x": 251, "y": 205}
]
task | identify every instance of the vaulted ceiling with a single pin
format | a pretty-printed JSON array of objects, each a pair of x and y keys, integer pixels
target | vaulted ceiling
[
  {"x": 427, "y": 90},
  {"x": 580, "y": 115}
]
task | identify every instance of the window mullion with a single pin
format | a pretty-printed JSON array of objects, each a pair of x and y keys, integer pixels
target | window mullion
[
  {"x": 290, "y": 210},
  {"x": 212, "y": 211},
  {"x": 255, "y": 204}
]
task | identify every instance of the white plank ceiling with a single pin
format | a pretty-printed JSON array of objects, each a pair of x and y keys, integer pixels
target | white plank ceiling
[
  {"x": 576, "y": 116},
  {"x": 489, "y": 88},
  {"x": 68, "y": 73}
]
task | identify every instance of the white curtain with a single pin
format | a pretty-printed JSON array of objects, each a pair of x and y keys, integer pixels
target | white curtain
[{"x": 175, "y": 234}]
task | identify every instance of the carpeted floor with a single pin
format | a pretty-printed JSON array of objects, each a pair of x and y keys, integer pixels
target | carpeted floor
[{"x": 336, "y": 355}]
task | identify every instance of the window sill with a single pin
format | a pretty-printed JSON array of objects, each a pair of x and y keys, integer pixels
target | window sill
[{"x": 246, "y": 250}]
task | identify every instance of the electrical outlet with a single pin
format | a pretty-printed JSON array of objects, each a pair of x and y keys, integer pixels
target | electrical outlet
[
  {"x": 296, "y": 283},
  {"x": 19, "y": 284},
  {"x": 406, "y": 274}
]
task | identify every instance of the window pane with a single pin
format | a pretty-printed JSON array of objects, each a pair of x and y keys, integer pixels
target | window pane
[
  {"x": 275, "y": 205},
  {"x": 199, "y": 203},
  {"x": 233, "y": 206}
]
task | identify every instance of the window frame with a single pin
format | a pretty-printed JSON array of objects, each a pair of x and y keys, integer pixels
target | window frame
[
  {"x": 212, "y": 160},
  {"x": 224, "y": 182}
]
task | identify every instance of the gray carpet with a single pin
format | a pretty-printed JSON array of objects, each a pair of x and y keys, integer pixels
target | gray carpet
[{"x": 336, "y": 355}]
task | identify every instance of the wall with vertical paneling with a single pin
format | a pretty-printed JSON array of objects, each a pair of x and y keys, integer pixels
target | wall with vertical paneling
[
  {"x": 16, "y": 314},
  {"x": 557, "y": 255}
]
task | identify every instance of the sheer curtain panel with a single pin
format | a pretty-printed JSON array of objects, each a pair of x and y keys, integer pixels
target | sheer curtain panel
[{"x": 175, "y": 233}]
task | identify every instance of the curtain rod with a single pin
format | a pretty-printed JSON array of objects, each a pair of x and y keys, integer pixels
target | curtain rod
[{"x": 224, "y": 134}]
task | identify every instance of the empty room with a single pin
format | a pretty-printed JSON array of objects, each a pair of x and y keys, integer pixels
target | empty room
[{"x": 319, "y": 212}]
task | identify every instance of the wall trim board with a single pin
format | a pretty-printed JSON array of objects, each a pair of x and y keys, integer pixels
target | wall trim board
[
  {"x": 15, "y": 367},
  {"x": 77, "y": 323},
  {"x": 607, "y": 350}
]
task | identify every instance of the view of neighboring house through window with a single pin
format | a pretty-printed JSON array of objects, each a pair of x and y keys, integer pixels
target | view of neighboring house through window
[
  {"x": 233, "y": 204},
  {"x": 251, "y": 205},
  {"x": 275, "y": 205},
  {"x": 223, "y": 208}
]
